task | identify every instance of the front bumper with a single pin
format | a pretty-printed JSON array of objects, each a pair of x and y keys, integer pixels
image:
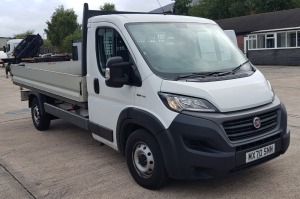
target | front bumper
[{"x": 196, "y": 146}]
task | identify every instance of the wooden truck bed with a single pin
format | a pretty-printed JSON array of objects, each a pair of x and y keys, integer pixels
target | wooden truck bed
[{"x": 62, "y": 79}]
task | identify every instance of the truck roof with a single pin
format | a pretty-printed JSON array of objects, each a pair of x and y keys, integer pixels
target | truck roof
[{"x": 135, "y": 18}]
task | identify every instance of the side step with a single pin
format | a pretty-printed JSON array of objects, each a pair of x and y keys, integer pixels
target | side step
[{"x": 70, "y": 117}]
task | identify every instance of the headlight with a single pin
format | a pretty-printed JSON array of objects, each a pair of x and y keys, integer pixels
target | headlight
[
  {"x": 180, "y": 103},
  {"x": 272, "y": 90}
]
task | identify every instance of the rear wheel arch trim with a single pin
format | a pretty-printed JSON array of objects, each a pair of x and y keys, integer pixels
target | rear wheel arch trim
[{"x": 40, "y": 98}]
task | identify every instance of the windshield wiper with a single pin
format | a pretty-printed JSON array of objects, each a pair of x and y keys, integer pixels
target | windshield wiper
[
  {"x": 203, "y": 75},
  {"x": 217, "y": 74},
  {"x": 214, "y": 74},
  {"x": 192, "y": 75},
  {"x": 239, "y": 66}
]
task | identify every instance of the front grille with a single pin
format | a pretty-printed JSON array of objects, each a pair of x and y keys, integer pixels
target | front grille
[{"x": 241, "y": 129}]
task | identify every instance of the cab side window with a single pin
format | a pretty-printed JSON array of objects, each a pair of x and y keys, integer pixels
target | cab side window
[{"x": 109, "y": 44}]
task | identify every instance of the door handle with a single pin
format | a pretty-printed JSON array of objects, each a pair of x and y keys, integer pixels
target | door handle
[{"x": 96, "y": 86}]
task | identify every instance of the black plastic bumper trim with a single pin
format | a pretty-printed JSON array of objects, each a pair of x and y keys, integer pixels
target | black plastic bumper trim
[{"x": 197, "y": 147}]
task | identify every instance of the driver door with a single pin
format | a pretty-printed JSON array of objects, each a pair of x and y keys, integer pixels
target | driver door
[{"x": 106, "y": 103}]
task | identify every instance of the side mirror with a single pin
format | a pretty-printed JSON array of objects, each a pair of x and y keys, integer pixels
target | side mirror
[
  {"x": 4, "y": 49},
  {"x": 117, "y": 72}
]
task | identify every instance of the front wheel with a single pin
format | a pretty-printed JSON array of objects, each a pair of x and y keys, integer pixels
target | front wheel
[
  {"x": 40, "y": 121},
  {"x": 145, "y": 161}
]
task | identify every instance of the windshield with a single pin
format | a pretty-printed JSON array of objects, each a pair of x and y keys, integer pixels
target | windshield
[{"x": 173, "y": 49}]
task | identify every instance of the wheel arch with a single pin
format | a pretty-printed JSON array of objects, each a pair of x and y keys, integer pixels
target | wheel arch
[
  {"x": 40, "y": 98},
  {"x": 131, "y": 119}
]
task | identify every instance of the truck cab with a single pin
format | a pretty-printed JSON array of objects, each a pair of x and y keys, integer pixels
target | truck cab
[{"x": 11, "y": 45}]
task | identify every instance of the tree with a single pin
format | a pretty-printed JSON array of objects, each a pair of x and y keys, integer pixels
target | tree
[
  {"x": 63, "y": 23},
  {"x": 296, "y": 3},
  {"x": 108, "y": 7},
  {"x": 47, "y": 47},
  {"x": 67, "y": 42},
  {"x": 24, "y": 34},
  {"x": 212, "y": 9},
  {"x": 240, "y": 8},
  {"x": 272, "y": 5},
  {"x": 220, "y": 9},
  {"x": 181, "y": 7}
]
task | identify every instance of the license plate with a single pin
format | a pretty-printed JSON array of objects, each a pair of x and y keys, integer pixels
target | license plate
[{"x": 260, "y": 153}]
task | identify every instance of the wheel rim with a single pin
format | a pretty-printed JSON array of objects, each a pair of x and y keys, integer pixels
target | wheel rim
[
  {"x": 36, "y": 114},
  {"x": 143, "y": 160}
]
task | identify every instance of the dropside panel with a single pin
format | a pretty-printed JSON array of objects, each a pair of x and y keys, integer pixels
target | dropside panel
[{"x": 57, "y": 82}]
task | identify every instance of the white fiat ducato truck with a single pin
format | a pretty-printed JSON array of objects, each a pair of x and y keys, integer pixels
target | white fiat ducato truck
[{"x": 171, "y": 93}]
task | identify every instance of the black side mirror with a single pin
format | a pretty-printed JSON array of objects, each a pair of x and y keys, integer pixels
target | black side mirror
[
  {"x": 117, "y": 72},
  {"x": 4, "y": 49}
]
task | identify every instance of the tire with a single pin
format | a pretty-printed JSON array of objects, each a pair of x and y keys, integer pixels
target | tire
[
  {"x": 41, "y": 122},
  {"x": 145, "y": 161}
]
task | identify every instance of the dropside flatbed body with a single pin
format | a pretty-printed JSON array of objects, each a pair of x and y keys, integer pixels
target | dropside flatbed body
[{"x": 62, "y": 79}]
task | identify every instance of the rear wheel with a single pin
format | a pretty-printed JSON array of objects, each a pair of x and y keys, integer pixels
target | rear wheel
[
  {"x": 145, "y": 161},
  {"x": 40, "y": 121}
]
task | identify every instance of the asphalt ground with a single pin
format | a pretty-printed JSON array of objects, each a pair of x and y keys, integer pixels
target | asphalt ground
[{"x": 66, "y": 162}]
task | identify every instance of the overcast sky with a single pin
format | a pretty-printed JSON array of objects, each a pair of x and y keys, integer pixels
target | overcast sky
[{"x": 18, "y": 16}]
